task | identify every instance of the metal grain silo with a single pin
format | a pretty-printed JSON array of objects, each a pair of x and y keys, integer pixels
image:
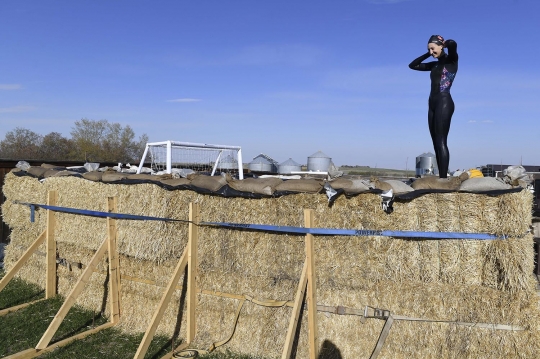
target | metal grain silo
[
  {"x": 426, "y": 163},
  {"x": 318, "y": 162},
  {"x": 289, "y": 166},
  {"x": 263, "y": 163},
  {"x": 228, "y": 163}
]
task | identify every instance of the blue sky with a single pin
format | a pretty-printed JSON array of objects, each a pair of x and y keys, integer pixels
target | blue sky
[{"x": 284, "y": 78}]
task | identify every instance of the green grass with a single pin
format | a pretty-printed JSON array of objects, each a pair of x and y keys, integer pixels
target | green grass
[{"x": 22, "y": 329}]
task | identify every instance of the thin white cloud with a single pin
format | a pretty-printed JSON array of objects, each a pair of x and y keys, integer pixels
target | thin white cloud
[
  {"x": 10, "y": 87},
  {"x": 16, "y": 109},
  {"x": 483, "y": 121},
  {"x": 185, "y": 100}
]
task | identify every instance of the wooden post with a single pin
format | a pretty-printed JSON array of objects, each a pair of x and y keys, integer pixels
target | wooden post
[
  {"x": 114, "y": 265},
  {"x": 158, "y": 314},
  {"x": 24, "y": 258},
  {"x": 72, "y": 297},
  {"x": 194, "y": 218},
  {"x": 293, "y": 323},
  {"x": 50, "y": 286},
  {"x": 311, "y": 287}
]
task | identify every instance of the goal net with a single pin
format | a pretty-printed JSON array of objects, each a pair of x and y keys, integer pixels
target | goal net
[{"x": 199, "y": 157}]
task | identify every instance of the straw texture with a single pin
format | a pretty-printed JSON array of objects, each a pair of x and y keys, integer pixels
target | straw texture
[{"x": 453, "y": 280}]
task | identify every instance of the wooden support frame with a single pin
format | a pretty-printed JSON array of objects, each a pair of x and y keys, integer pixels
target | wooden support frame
[
  {"x": 109, "y": 244},
  {"x": 194, "y": 218},
  {"x": 50, "y": 283},
  {"x": 293, "y": 323},
  {"x": 114, "y": 262},
  {"x": 189, "y": 259},
  {"x": 158, "y": 314},
  {"x": 311, "y": 287},
  {"x": 18, "y": 265},
  {"x": 307, "y": 282}
]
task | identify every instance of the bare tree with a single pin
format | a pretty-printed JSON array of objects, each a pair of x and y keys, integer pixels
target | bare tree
[
  {"x": 92, "y": 141},
  {"x": 105, "y": 141},
  {"x": 87, "y": 135},
  {"x": 21, "y": 143},
  {"x": 56, "y": 147}
]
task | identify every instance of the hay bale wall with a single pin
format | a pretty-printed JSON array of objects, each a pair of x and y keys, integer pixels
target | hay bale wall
[{"x": 472, "y": 281}]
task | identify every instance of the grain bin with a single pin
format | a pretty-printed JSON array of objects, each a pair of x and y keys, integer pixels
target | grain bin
[
  {"x": 318, "y": 162},
  {"x": 263, "y": 163},
  {"x": 426, "y": 164},
  {"x": 228, "y": 163},
  {"x": 289, "y": 166}
]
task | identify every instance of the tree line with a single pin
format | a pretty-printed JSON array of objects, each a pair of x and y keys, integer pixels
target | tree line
[{"x": 91, "y": 141}]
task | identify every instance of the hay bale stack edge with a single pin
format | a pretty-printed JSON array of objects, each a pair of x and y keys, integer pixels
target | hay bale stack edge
[{"x": 447, "y": 280}]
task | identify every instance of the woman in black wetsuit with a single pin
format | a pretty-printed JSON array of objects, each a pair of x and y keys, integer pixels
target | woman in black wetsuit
[{"x": 441, "y": 105}]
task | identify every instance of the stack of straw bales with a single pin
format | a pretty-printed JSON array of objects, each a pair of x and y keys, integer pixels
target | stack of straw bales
[{"x": 449, "y": 280}]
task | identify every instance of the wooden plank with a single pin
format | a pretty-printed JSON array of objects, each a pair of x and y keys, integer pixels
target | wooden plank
[
  {"x": 194, "y": 218},
  {"x": 311, "y": 287},
  {"x": 50, "y": 285},
  {"x": 24, "y": 258},
  {"x": 295, "y": 316},
  {"x": 32, "y": 353},
  {"x": 158, "y": 314},
  {"x": 114, "y": 265},
  {"x": 17, "y": 307},
  {"x": 72, "y": 297}
]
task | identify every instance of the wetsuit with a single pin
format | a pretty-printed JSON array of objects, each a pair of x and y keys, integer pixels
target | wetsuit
[{"x": 441, "y": 105}]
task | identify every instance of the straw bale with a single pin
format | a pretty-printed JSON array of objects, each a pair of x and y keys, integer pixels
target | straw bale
[{"x": 454, "y": 280}]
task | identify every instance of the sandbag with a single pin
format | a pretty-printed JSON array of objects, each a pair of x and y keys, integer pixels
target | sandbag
[
  {"x": 50, "y": 172},
  {"x": 93, "y": 176},
  {"x": 211, "y": 183},
  {"x": 37, "y": 171},
  {"x": 378, "y": 184},
  {"x": 300, "y": 186},
  {"x": 481, "y": 184},
  {"x": 143, "y": 176},
  {"x": 149, "y": 177},
  {"x": 49, "y": 166},
  {"x": 265, "y": 186},
  {"x": 350, "y": 186},
  {"x": 175, "y": 182},
  {"x": 66, "y": 173},
  {"x": 432, "y": 182},
  {"x": 399, "y": 187},
  {"x": 113, "y": 176}
]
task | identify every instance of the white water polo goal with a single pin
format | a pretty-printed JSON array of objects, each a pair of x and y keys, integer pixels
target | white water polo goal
[{"x": 200, "y": 157}]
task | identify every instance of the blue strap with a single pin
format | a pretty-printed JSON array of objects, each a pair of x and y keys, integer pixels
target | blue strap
[
  {"x": 277, "y": 229},
  {"x": 356, "y": 232},
  {"x": 86, "y": 212}
]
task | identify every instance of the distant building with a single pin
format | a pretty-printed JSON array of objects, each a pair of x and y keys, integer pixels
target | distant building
[{"x": 491, "y": 170}]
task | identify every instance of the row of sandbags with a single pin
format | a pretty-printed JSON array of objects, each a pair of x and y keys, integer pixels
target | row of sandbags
[{"x": 269, "y": 186}]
